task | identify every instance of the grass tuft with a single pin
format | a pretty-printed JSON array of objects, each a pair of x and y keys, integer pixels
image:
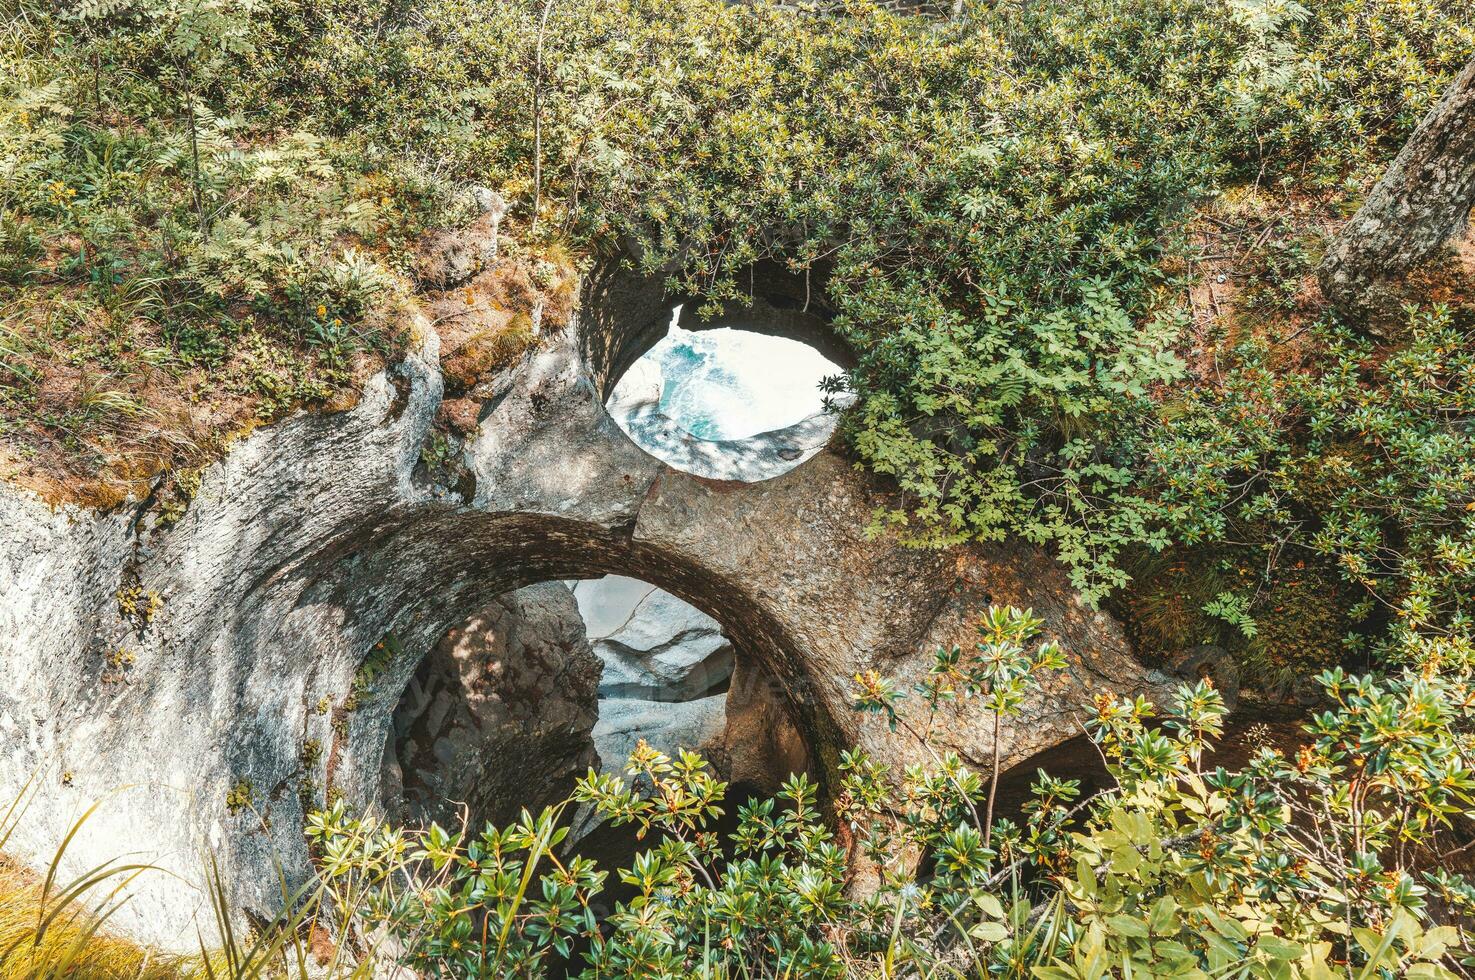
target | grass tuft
[{"x": 44, "y": 936}]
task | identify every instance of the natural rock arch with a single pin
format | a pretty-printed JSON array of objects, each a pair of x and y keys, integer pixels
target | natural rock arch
[
  {"x": 314, "y": 538},
  {"x": 496, "y": 554}
]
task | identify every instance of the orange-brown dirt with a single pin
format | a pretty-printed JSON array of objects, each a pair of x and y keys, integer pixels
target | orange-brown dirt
[{"x": 100, "y": 436}]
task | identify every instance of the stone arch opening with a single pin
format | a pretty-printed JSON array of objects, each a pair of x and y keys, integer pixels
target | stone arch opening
[
  {"x": 497, "y": 649},
  {"x": 746, "y": 394},
  {"x": 508, "y": 709}
]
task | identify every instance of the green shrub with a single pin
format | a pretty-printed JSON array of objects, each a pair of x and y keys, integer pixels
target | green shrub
[
  {"x": 20, "y": 247},
  {"x": 1337, "y": 859},
  {"x": 992, "y": 205},
  {"x": 1362, "y": 462},
  {"x": 1306, "y": 866}
]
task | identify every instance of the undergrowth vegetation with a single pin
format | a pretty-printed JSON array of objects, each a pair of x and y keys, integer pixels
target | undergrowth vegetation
[
  {"x": 1333, "y": 861},
  {"x": 173, "y": 274},
  {"x": 69, "y": 946},
  {"x": 211, "y": 212},
  {"x": 1337, "y": 859},
  {"x": 1071, "y": 244},
  {"x": 1180, "y": 869},
  {"x": 51, "y": 924}
]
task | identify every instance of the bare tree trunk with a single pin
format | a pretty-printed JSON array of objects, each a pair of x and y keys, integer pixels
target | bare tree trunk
[
  {"x": 1421, "y": 203},
  {"x": 538, "y": 117}
]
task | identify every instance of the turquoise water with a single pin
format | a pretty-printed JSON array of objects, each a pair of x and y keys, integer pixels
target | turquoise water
[
  {"x": 688, "y": 396},
  {"x": 732, "y": 384}
]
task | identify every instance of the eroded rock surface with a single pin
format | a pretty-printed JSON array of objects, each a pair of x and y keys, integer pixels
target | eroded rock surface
[
  {"x": 498, "y": 716},
  {"x": 254, "y": 679},
  {"x": 665, "y": 650},
  {"x": 759, "y": 746},
  {"x": 667, "y": 726},
  {"x": 667, "y": 666}
]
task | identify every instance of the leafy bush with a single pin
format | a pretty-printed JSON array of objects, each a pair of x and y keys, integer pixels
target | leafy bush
[
  {"x": 994, "y": 201},
  {"x": 1311, "y": 865},
  {"x": 176, "y": 255},
  {"x": 1339, "y": 858},
  {"x": 987, "y": 203},
  {"x": 992, "y": 205},
  {"x": 1365, "y": 464}
]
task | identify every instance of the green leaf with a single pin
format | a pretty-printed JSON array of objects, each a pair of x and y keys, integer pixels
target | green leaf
[
  {"x": 1127, "y": 925},
  {"x": 1279, "y": 948},
  {"x": 990, "y": 932}
]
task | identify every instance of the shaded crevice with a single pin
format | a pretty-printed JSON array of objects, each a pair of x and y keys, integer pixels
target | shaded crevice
[{"x": 497, "y": 717}]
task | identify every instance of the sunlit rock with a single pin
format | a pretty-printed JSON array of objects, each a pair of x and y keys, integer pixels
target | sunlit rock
[
  {"x": 257, "y": 687},
  {"x": 663, "y": 649}
]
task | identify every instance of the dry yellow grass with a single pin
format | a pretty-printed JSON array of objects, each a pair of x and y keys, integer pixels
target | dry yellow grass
[{"x": 43, "y": 937}]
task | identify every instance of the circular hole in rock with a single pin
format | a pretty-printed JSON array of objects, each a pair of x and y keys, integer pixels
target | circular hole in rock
[
  {"x": 728, "y": 403},
  {"x": 509, "y": 708}
]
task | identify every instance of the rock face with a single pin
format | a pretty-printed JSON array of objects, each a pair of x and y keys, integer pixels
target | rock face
[
  {"x": 665, "y": 650},
  {"x": 449, "y": 258},
  {"x": 760, "y": 746},
  {"x": 259, "y": 674},
  {"x": 667, "y": 726},
  {"x": 666, "y": 669},
  {"x": 497, "y": 717}
]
